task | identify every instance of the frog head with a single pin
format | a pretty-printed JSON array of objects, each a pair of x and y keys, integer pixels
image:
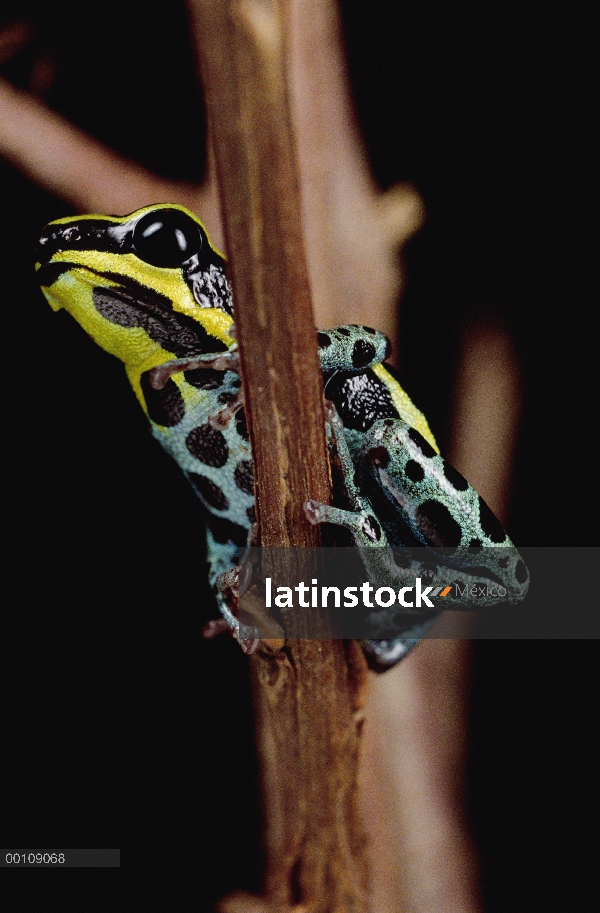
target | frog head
[{"x": 147, "y": 287}]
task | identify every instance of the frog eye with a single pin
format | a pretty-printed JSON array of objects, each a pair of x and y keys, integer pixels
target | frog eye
[{"x": 166, "y": 237}]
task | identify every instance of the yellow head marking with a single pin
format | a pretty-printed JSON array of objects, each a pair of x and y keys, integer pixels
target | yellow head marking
[{"x": 147, "y": 287}]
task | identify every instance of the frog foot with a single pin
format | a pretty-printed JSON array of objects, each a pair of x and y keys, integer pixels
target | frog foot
[
  {"x": 222, "y": 417},
  {"x": 217, "y": 626},
  {"x": 222, "y": 361},
  {"x": 214, "y": 628},
  {"x": 363, "y": 526},
  {"x": 230, "y": 587},
  {"x": 248, "y": 644}
]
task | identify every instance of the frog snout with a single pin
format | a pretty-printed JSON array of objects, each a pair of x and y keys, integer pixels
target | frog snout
[
  {"x": 51, "y": 242},
  {"x": 56, "y": 238}
]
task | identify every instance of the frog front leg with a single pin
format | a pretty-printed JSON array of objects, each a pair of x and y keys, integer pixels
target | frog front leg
[
  {"x": 221, "y": 361},
  {"x": 347, "y": 348},
  {"x": 430, "y": 504}
]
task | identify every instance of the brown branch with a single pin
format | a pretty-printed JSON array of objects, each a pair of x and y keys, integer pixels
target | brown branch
[{"x": 306, "y": 696}]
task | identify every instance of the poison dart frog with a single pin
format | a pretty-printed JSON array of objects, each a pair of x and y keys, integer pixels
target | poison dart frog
[{"x": 151, "y": 288}]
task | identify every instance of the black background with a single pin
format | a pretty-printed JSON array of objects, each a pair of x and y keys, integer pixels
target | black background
[{"x": 121, "y": 727}]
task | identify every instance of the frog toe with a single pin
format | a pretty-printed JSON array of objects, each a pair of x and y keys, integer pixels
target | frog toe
[{"x": 363, "y": 525}]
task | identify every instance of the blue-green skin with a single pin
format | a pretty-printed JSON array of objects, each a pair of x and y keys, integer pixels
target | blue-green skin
[{"x": 370, "y": 458}]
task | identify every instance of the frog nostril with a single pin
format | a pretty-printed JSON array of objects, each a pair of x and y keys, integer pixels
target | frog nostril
[{"x": 44, "y": 248}]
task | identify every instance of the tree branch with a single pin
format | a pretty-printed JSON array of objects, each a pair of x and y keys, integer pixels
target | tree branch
[{"x": 308, "y": 695}]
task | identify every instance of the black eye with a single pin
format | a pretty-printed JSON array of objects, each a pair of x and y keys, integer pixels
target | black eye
[{"x": 166, "y": 237}]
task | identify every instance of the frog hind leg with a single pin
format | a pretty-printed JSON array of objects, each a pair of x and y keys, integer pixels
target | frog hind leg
[
  {"x": 359, "y": 519},
  {"x": 435, "y": 505},
  {"x": 439, "y": 508}
]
